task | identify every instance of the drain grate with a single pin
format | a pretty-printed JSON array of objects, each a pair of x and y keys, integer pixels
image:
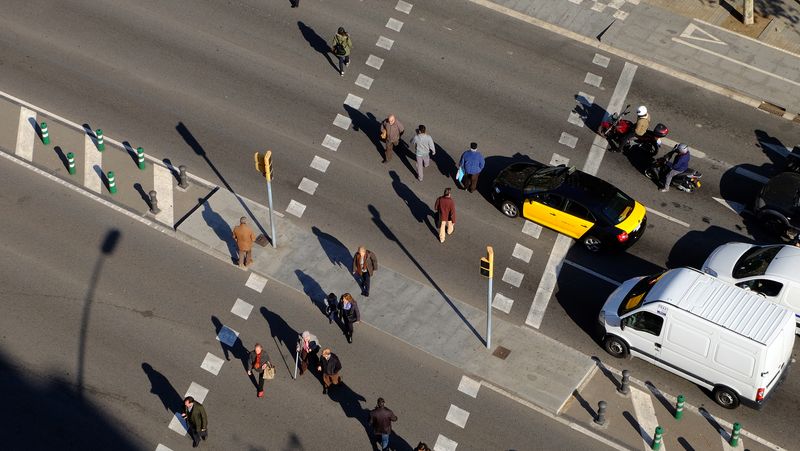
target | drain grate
[{"x": 501, "y": 352}]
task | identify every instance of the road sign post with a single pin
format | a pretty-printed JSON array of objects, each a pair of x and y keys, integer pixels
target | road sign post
[
  {"x": 264, "y": 166},
  {"x": 487, "y": 270}
]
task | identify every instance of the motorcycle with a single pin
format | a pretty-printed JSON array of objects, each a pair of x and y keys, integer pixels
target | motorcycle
[
  {"x": 650, "y": 142},
  {"x": 617, "y": 128},
  {"x": 688, "y": 180}
]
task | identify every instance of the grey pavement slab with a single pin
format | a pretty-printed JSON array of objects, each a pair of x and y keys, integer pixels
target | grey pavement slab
[
  {"x": 538, "y": 368},
  {"x": 9, "y": 119}
]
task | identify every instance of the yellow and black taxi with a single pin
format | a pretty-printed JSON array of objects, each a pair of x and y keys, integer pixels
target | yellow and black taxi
[{"x": 571, "y": 202}]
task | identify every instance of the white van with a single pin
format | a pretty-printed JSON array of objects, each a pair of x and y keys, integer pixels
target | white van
[{"x": 726, "y": 339}]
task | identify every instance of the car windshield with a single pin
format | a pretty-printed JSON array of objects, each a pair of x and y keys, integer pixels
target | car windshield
[
  {"x": 546, "y": 178},
  {"x": 755, "y": 261},
  {"x": 617, "y": 208},
  {"x": 637, "y": 294}
]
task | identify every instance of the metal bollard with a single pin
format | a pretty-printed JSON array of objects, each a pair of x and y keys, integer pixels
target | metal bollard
[
  {"x": 737, "y": 429},
  {"x": 101, "y": 145},
  {"x": 153, "y": 203},
  {"x": 45, "y": 134},
  {"x": 71, "y": 163},
  {"x": 112, "y": 182},
  {"x": 657, "y": 437},
  {"x": 624, "y": 386},
  {"x": 679, "y": 407},
  {"x": 183, "y": 180},
  {"x": 140, "y": 154},
  {"x": 601, "y": 413}
]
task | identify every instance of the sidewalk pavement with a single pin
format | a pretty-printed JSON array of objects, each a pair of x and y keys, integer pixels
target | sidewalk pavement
[
  {"x": 702, "y": 46},
  {"x": 631, "y": 420}
]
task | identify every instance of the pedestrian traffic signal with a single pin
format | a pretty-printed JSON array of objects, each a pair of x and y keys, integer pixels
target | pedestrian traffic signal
[
  {"x": 259, "y": 162},
  {"x": 487, "y": 263},
  {"x": 268, "y": 165}
]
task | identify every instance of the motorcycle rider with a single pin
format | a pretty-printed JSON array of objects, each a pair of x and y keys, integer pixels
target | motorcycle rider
[
  {"x": 678, "y": 165},
  {"x": 642, "y": 124}
]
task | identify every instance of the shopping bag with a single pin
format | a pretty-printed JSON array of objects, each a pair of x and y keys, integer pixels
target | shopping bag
[{"x": 459, "y": 175}]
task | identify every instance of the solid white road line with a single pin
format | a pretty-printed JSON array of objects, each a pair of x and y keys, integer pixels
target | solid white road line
[
  {"x": 385, "y": 43},
  {"x": 163, "y": 186},
  {"x": 523, "y": 253},
  {"x": 513, "y": 277},
  {"x": 694, "y": 151},
  {"x": 331, "y": 142},
  {"x": 403, "y": 7},
  {"x": 645, "y": 415},
  {"x": 548, "y": 281},
  {"x": 502, "y": 303},
  {"x": 320, "y": 164},
  {"x": 296, "y": 208},
  {"x": 444, "y": 444},
  {"x": 353, "y": 101},
  {"x": 227, "y": 336},
  {"x": 469, "y": 386},
  {"x": 242, "y": 308},
  {"x": 594, "y": 273},
  {"x": 457, "y": 416},
  {"x": 735, "y": 207},
  {"x": 212, "y": 363},
  {"x": 342, "y": 121},
  {"x": 601, "y": 60},
  {"x": 364, "y": 81},
  {"x": 26, "y": 133},
  {"x": 568, "y": 140},
  {"x": 593, "y": 79},
  {"x": 92, "y": 162},
  {"x": 532, "y": 229},
  {"x": 394, "y": 24},
  {"x": 308, "y": 186},
  {"x": 667, "y": 217},
  {"x": 374, "y": 62},
  {"x": 256, "y": 282}
]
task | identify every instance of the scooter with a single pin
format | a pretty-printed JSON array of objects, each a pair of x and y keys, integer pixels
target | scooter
[
  {"x": 650, "y": 142},
  {"x": 688, "y": 180},
  {"x": 616, "y": 128}
]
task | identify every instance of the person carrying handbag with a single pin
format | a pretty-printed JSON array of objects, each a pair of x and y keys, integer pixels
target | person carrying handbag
[
  {"x": 307, "y": 348},
  {"x": 340, "y": 46},
  {"x": 258, "y": 363}
]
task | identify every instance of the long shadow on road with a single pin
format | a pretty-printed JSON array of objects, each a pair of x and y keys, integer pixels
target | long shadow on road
[{"x": 316, "y": 42}]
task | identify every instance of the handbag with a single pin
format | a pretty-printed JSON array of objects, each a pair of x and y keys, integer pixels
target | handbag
[
  {"x": 460, "y": 174},
  {"x": 269, "y": 371},
  {"x": 383, "y": 134}
]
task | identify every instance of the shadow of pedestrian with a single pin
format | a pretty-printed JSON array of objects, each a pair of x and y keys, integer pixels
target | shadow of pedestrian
[
  {"x": 420, "y": 210},
  {"x": 772, "y": 147},
  {"x": 409, "y": 159},
  {"x": 220, "y": 228},
  {"x": 284, "y": 336},
  {"x": 590, "y": 113},
  {"x": 312, "y": 289},
  {"x": 350, "y": 402},
  {"x": 316, "y": 42},
  {"x": 398, "y": 443},
  {"x": 161, "y": 387},
  {"x": 337, "y": 252},
  {"x": 376, "y": 219},
  {"x": 369, "y": 125},
  {"x": 229, "y": 342},
  {"x": 445, "y": 163}
]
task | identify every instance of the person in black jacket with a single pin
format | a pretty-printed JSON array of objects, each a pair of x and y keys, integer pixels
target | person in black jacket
[
  {"x": 349, "y": 314},
  {"x": 330, "y": 367},
  {"x": 195, "y": 415},
  {"x": 380, "y": 419}
]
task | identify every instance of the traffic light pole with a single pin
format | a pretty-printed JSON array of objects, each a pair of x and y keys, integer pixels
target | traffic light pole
[
  {"x": 271, "y": 217},
  {"x": 264, "y": 166},
  {"x": 487, "y": 270}
]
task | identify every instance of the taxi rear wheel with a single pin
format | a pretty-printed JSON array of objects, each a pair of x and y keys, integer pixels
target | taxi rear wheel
[
  {"x": 509, "y": 209},
  {"x": 592, "y": 243}
]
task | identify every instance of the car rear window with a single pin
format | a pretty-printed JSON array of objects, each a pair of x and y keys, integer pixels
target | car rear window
[
  {"x": 636, "y": 296},
  {"x": 617, "y": 207},
  {"x": 755, "y": 261}
]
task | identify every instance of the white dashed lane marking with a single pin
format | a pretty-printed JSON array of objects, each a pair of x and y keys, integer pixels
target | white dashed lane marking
[
  {"x": 558, "y": 159},
  {"x": 444, "y": 444},
  {"x": 320, "y": 164},
  {"x": 645, "y": 415},
  {"x": 163, "y": 186},
  {"x": 161, "y": 447},
  {"x": 92, "y": 158},
  {"x": 26, "y": 133},
  {"x": 353, "y": 101},
  {"x": 532, "y": 229},
  {"x": 502, "y": 303},
  {"x": 469, "y": 386},
  {"x": 404, "y": 7},
  {"x": 256, "y": 282},
  {"x": 513, "y": 277},
  {"x": 196, "y": 391},
  {"x": 296, "y": 208},
  {"x": 384, "y": 43},
  {"x": 394, "y": 24},
  {"x": 375, "y": 62},
  {"x": 594, "y": 273},
  {"x": 599, "y": 7},
  {"x": 568, "y": 140},
  {"x": 212, "y": 363},
  {"x": 668, "y": 217},
  {"x": 601, "y": 60},
  {"x": 621, "y": 15},
  {"x": 593, "y": 79},
  {"x": 331, "y": 142},
  {"x": 308, "y": 186},
  {"x": 523, "y": 253},
  {"x": 457, "y": 416},
  {"x": 227, "y": 336},
  {"x": 364, "y": 81},
  {"x": 735, "y": 207},
  {"x": 585, "y": 99},
  {"x": 575, "y": 119},
  {"x": 242, "y": 308},
  {"x": 342, "y": 121}
]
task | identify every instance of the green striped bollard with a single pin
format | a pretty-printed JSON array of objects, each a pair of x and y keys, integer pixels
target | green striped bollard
[
  {"x": 140, "y": 155},
  {"x": 71, "y": 163},
  {"x": 737, "y": 429},
  {"x": 112, "y": 182},
  {"x": 657, "y": 438},
  {"x": 101, "y": 145},
  {"x": 45, "y": 134},
  {"x": 679, "y": 407}
]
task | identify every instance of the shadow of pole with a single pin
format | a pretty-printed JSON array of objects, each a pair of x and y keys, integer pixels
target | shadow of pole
[
  {"x": 107, "y": 248},
  {"x": 376, "y": 218}
]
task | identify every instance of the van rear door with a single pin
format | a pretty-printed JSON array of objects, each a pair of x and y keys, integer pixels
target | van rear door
[{"x": 777, "y": 357}]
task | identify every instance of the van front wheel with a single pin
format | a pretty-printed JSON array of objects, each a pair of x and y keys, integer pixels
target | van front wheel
[
  {"x": 726, "y": 397},
  {"x": 616, "y": 347}
]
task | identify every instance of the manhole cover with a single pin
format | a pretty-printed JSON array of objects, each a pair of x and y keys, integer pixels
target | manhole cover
[{"x": 501, "y": 352}]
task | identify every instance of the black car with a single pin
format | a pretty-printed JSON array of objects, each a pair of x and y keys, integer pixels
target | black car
[
  {"x": 777, "y": 206},
  {"x": 572, "y": 202}
]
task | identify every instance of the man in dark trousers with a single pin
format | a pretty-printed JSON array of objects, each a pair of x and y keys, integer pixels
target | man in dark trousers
[
  {"x": 380, "y": 419},
  {"x": 330, "y": 366},
  {"x": 471, "y": 163},
  {"x": 195, "y": 415},
  {"x": 446, "y": 209},
  {"x": 258, "y": 361},
  {"x": 364, "y": 264}
]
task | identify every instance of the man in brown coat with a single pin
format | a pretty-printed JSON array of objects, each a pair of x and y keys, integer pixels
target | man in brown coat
[
  {"x": 364, "y": 264},
  {"x": 446, "y": 209},
  {"x": 391, "y": 130},
  {"x": 380, "y": 419},
  {"x": 244, "y": 237}
]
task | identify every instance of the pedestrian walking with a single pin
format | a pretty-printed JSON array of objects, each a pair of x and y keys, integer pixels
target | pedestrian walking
[
  {"x": 244, "y": 237},
  {"x": 258, "y": 363},
  {"x": 195, "y": 415},
  {"x": 307, "y": 348},
  {"x": 350, "y": 315},
  {"x": 391, "y": 131},
  {"x": 332, "y": 308},
  {"x": 445, "y": 208},
  {"x": 423, "y": 146},
  {"x": 365, "y": 263},
  {"x": 471, "y": 163},
  {"x": 295, "y": 3},
  {"x": 330, "y": 366},
  {"x": 380, "y": 419},
  {"x": 341, "y": 46}
]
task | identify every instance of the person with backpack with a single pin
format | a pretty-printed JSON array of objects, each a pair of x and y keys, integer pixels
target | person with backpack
[{"x": 341, "y": 46}]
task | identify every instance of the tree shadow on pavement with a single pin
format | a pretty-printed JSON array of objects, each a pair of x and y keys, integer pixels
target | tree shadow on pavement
[
  {"x": 420, "y": 210},
  {"x": 161, "y": 387},
  {"x": 785, "y": 10},
  {"x": 284, "y": 336},
  {"x": 369, "y": 125},
  {"x": 221, "y": 228},
  {"x": 316, "y": 42},
  {"x": 336, "y": 251},
  {"x": 312, "y": 289},
  {"x": 387, "y": 232}
]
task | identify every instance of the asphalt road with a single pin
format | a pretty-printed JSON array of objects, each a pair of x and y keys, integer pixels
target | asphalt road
[{"x": 245, "y": 76}]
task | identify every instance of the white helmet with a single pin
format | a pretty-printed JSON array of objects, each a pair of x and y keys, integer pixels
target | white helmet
[{"x": 641, "y": 111}]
